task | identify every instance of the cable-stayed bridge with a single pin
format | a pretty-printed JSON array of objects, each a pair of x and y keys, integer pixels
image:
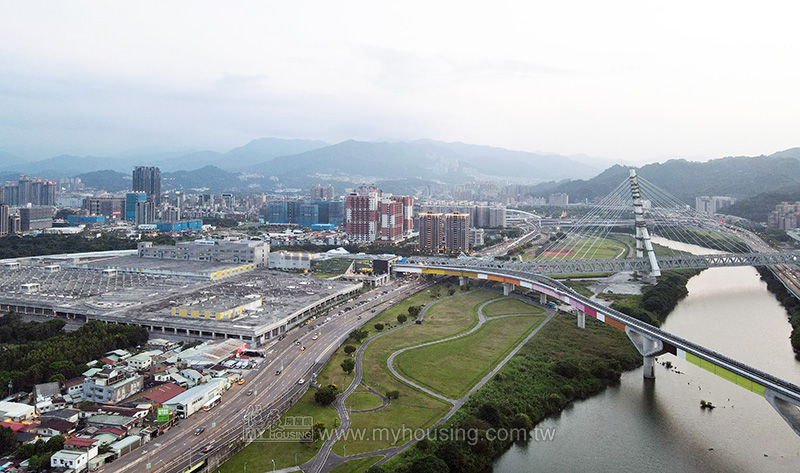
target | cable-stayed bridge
[{"x": 571, "y": 255}]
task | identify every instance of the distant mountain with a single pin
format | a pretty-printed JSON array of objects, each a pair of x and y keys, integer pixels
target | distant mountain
[
  {"x": 208, "y": 177},
  {"x": 265, "y": 149},
  {"x": 424, "y": 159},
  {"x": 190, "y": 161},
  {"x": 68, "y": 166},
  {"x": 107, "y": 180},
  {"x": 493, "y": 161},
  {"x": 739, "y": 177},
  {"x": 10, "y": 162}
]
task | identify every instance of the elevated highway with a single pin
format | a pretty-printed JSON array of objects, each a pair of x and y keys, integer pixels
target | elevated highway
[{"x": 649, "y": 340}]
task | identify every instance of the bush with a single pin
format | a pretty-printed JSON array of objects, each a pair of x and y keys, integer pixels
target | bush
[
  {"x": 325, "y": 396},
  {"x": 349, "y": 349},
  {"x": 401, "y": 319},
  {"x": 348, "y": 364},
  {"x": 379, "y": 327}
]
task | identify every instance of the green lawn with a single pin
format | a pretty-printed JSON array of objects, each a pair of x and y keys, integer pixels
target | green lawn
[
  {"x": 332, "y": 372},
  {"x": 413, "y": 409},
  {"x": 453, "y": 368},
  {"x": 361, "y": 401},
  {"x": 510, "y": 306},
  {"x": 354, "y": 466},
  {"x": 258, "y": 455}
]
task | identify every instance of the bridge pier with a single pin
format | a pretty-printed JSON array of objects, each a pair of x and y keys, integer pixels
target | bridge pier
[
  {"x": 542, "y": 298},
  {"x": 462, "y": 281},
  {"x": 787, "y": 408},
  {"x": 581, "y": 319},
  {"x": 648, "y": 348},
  {"x": 507, "y": 288}
]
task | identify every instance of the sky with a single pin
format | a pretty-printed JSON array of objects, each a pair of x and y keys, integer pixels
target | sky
[{"x": 638, "y": 81}]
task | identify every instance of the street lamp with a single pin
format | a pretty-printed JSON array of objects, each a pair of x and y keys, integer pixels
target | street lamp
[
  {"x": 245, "y": 467},
  {"x": 273, "y": 465},
  {"x": 345, "y": 450},
  {"x": 295, "y": 458}
]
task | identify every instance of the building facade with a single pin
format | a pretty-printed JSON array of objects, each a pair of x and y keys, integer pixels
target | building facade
[
  {"x": 370, "y": 215},
  {"x": 221, "y": 251},
  {"x": 431, "y": 229},
  {"x": 456, "y": 232},
  {"x": 131, "y": 199},
  {"x": 322, "y": 192},
  {"x": 147, "y": 179}
]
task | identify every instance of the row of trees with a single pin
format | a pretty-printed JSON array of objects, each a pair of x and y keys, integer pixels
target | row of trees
[
  {"x": 789, "y": 302},
  {"x": 46, "y": 244},
  {"x": 61, "y": 356}
]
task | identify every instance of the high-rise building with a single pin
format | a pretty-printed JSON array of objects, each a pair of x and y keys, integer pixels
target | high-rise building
[
  {"x": 131, "y": 199},
  {"x": 431, "y": 229},
  {"x": 145, "y": 212},
  {"x": 713, "y": 204},
  {"x": 362, "y": 214},
  {"x": 147, "y": 179},
  {"x": 29, "y": 191},
  {"x": 391, "y": 219},
  {"x": 456, "y": 232},
  {"x": 559, "y": 199},
  {"x": 320, "y": 192},
  {"x": 106, "y": 205},
  {"x": 3, "y": 220},
  {"x": 408, "y": 212}
]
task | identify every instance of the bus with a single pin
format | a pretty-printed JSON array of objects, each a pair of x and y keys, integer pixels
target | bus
[{"x": 213, "y": 402}]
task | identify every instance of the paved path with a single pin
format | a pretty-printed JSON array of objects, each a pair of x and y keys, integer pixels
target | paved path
[{"x": 326, "y": 460}]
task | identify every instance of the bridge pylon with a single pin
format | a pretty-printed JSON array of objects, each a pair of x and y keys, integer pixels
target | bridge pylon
[
  {"x": 648, "y": 347},
  {"x": 643, "y": 243}
]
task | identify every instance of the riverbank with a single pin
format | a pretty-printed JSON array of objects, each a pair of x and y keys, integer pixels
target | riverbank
[
  {"x": 788, "y": 301},
  {"x": 562, "y": 364}
]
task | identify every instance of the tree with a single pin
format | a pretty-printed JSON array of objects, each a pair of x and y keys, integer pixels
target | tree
[
  {"x": 348, "y": 364},
  {"x": 414, "y": 310},
  {"x": 359, "y": 335},
  {"x": 451, "y": 291},
  {"x": 401, "y": 319},
  {"x": 8, "y": 442},
  {"x": 392, "y": 395},
  {"x": 379, "y": 327},
  {"x": 349, "y": 349},
  {"x": 325, "y": 396},
  {"x": 317, "y": 430}
]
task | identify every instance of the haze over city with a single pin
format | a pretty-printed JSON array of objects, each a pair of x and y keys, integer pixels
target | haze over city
[{"x": 624, "y": 80}]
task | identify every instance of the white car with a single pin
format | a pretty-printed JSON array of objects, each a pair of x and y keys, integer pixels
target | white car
[
  {"x": 314, "y": 337},
  {"x": 301, "y": 381}
]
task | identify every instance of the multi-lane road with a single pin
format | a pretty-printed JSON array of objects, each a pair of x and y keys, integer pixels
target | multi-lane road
[{"x": 297, "y": 354}]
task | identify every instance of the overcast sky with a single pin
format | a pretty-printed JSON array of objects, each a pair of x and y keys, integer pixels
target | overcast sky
[{"x": 635, "y": 80}]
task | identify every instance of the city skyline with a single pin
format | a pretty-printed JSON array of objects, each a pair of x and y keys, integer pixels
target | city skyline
[{"x": 626, "y": 82}]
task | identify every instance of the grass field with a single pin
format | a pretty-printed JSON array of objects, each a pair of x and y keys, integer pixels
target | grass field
[
  {"x": 453, "y": 368},
  {"x": 413, "y": 409},
  {"x": 362, "y": 401},
  {"x": 511, "y": 306},
  {"x": 258, "y": 455}
]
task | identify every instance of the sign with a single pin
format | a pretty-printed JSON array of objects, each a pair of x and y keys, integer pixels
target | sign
[{"x": 163, "y": 414}]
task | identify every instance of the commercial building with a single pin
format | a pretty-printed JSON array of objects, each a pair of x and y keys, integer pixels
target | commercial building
[
  {"x": 232, "y": 251},
  {"x": 713, "y": 204},
  {"x": 305, "y": 213},
  {"x": 131, "y": 199},
  {"x": 147, "y": 179},
  {"x": 35, "y": 218},
  {"x": 193, "y": 400},
  {"x": 111, "y": 386},
  {"x": 292, "y": 260},
  {"x": 559, "y": 199},
  {"x": 106, "y": 205}
]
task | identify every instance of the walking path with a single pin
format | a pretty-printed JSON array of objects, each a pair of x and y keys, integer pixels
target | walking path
[{"x": 326, "y": 460}]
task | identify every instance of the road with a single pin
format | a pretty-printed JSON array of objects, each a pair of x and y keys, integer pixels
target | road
[{"x": 178, "y": 448}]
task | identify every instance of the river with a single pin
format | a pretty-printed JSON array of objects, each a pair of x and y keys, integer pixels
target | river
[{"x": 657, "y": 425}]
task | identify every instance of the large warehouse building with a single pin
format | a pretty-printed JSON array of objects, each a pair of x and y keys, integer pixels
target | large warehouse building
[{"x": 177, "y": 298}]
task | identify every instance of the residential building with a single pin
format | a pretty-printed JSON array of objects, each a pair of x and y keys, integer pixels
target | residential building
[
  {"x": 147, "y": 179},
  {"x": 29, "y": 191},
  {"x": 74, "y": 460},
  {"x": 559, "y": 199},
  {"x": 456, "y": 232},
  {"x": 370, "y": 215},
  {"x": 321, "y": 192},
  {"x": 3, "y": 220},
  {"x": 431, "y": 229},
  {"x": 786, "y": 216},
  {"x": 476, "y": 237},
  {"x": 144, "y": 212},
  {"x": 111, "y": 386},
  {"x": 711, "y": 205}
]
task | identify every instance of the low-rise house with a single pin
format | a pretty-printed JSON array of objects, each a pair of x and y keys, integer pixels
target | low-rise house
[
  {"x": 107, "y": 420},
  {"x": 83, "y": 444},
  {"x": 121, "y": 447},
  {"x": 15, "y": 411},
  {"x": 51, "y": 404},
  {"x": 163, "y": 393},
  {"x": 71, "y": 415},
  {"x": 74, "y": 460},
  {"x": 74, "y": 387},
  {"x": 194, "y": 377},
  {"x": 140, "y": 362},
  {"x": 51, "y": 427}
]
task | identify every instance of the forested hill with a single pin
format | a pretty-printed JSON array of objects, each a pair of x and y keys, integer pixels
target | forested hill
[{"x": 739, "y": 177}]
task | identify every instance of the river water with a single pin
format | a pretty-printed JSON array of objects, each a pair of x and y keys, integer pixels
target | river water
[{"x": 657, "y": 425}]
